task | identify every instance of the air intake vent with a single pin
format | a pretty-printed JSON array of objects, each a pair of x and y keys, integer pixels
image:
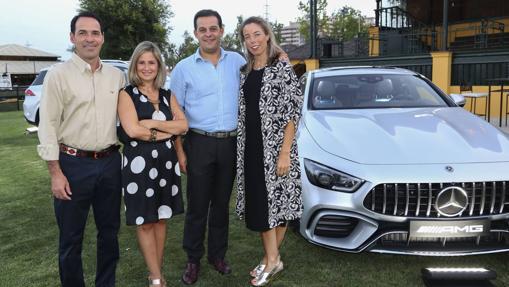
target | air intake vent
[{"x": 335, "y": 226}]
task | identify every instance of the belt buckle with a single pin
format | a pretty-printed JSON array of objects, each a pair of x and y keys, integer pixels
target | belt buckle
[
  {"x": 96, "y": 155},
  {"x": 71, "y": 151}
]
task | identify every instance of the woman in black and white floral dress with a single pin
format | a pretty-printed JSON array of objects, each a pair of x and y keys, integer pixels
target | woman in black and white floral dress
[
  {"x": 268, "y": 173},
  {"x": 149, "y": 118}
]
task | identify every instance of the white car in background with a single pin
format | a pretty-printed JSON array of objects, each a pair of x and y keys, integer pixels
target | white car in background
[{"x": 34, "y": 91}]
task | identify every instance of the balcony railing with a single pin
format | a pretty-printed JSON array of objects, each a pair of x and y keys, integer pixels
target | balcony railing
[
  {"x": 487, "y": 34},
  {"x": 397, "y": 18}
]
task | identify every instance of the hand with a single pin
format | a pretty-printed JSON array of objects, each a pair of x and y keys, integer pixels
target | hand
[
  {"x": 60, "y": 186},
  {"x": 149, "y": 124},
  {"x": 182, "y": 159},
  {"x": 283, "y": 164},
  {"x": 283, "y": 57}
]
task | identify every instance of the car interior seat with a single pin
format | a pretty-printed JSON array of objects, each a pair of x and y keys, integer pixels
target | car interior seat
[
  {"x": 325, "y": 95},
  {"x": 345, "y": 94},
  {"x": 384, "y": 91}
]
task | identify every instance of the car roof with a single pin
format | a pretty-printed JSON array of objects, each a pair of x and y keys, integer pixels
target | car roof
[
  {"x": 114, "y": 61},
  {"x": 360, "y": 70}
]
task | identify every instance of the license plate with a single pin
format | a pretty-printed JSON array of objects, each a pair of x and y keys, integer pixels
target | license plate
[{"x": 455, "y": 228}]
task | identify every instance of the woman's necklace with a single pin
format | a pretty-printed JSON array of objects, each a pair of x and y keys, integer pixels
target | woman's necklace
[{"x": 157, "y": 114}]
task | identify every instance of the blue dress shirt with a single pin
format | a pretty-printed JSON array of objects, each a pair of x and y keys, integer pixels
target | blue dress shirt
[{"x": 207, "y": 93}]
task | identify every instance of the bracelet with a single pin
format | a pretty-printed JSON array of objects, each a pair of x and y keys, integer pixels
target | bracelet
[{"x": 153, "y": 135}]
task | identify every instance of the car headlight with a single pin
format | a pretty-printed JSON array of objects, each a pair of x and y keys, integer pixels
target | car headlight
[{"x": 329, "y": 178}]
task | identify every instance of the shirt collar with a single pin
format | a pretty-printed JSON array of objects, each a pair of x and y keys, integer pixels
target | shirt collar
[
  {"x": 82, "y": 65},
  {"x": 197, "y": 55}
]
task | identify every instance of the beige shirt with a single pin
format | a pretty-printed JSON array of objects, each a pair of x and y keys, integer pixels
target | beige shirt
[{"x": 78, "y": 107}]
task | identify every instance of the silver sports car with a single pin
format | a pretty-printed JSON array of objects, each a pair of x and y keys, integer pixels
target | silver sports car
[{"x": 391, "y": 164}]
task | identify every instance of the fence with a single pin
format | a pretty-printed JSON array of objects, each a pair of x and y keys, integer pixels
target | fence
[
  {"x": 16, "y": 93},
  {"x": 476, "y": 68}
]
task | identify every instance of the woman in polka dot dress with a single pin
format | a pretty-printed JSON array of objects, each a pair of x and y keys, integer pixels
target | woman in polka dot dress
[{"x": 149, "y": 117}]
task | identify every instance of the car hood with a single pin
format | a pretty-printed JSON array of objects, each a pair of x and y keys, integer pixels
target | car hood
[{"x": 407, "y": 136}]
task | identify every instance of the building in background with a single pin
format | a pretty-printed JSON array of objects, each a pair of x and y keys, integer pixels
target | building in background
[
  {"x": 24, "y": 63},
  {"x": 290, "y": 35}
]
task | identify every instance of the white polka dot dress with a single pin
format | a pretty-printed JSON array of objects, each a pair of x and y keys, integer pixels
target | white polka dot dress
[{"x": 150, "y": 178}]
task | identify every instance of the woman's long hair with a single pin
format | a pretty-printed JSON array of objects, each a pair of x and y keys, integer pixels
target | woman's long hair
[{"x": 273, "y": 49}]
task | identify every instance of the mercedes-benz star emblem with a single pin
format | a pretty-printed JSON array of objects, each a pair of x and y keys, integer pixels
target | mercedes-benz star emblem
[
  {"x": 451, "y": 201},
  {"x": 449, "y": 168}
]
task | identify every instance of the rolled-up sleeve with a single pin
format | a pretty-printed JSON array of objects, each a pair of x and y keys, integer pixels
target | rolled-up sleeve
[
  {"x": 50, "y": 115},
  {"x": 293, "y": 96}
]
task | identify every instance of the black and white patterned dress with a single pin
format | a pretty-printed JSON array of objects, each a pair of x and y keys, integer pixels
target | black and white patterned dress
[
  {"x": 280, "y": 102},
  {"x": 150, "y": 171}
]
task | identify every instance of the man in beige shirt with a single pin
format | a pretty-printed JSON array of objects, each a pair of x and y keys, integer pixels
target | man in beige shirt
[{"x": 77, "y": 134}]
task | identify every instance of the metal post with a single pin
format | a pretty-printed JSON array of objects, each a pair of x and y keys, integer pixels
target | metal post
[
  {"x": 445, "y": 25},
  {"x": 377, "y": 13},
  {"x": 312, "y": 6}
]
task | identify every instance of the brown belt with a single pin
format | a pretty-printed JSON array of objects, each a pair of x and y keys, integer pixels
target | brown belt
[{"x": 86, "y": 153}]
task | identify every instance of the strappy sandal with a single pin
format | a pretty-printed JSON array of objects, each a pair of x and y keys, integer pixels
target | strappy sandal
[
  {"x": 266, "y": 278},
  {"x": 257, "y": 270},
  {"x": 260, "y": 267},
  {"x": 156, "y": 282}
]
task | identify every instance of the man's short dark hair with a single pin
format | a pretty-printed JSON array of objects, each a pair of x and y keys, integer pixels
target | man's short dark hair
[
  {"x": 207, "y": 13},
  {"x": 85, "y": 14}
]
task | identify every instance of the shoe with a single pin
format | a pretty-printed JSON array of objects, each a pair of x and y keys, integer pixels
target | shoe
[
  {"x": 267, "y": 277},
  {"x": 257, "y": 270},
  {"x": 155, "y": 282},
  {"x": 190, "y": 275},
  {"x": 221, "y": 266},
  {"x": 260, "y": 267}
]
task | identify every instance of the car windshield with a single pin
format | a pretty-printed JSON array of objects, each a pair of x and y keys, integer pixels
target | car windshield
[{"x": 373, "y": 91}]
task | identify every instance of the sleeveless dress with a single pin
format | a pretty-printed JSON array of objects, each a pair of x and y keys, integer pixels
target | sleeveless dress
[
  {"x": 254, "y": 174},
  {"x": 150, "y": 171}
]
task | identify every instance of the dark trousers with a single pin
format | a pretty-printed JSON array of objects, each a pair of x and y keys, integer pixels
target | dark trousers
[
  {"x": 96, "y": 183},
  {"x": 210, "y": 175}
]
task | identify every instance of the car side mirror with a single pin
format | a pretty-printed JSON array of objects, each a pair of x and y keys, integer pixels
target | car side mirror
[{"x": 458, "y": 99}]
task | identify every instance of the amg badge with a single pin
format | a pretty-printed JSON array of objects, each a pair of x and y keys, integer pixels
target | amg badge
[{"x": 465, "y": 228}]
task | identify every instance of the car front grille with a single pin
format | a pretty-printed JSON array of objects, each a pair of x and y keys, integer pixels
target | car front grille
[
  {"x": 335, "y": 226},
  {"x": 418, "y": 199}
]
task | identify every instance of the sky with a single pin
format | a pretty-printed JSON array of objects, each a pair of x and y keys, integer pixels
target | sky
[{"x": 44, "y": 24}]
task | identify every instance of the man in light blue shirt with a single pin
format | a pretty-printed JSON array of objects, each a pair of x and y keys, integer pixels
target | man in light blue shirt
[{"x": 206, "y": 85}]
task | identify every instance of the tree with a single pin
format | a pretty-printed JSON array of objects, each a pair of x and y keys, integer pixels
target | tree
[
  {"x": 346, "y": 23},
  {"x": 127, "y": 23},
  {"x": 187, "y": 48},
  {"x": 343, "y": 24},
  {"x": 277, "y": 28},
  {"x": 305, "y": 20},
  {"x": 231, "y": 41}
]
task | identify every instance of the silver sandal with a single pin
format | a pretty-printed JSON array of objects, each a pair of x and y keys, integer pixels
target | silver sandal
[
  {"x": 155, "y": 282},
  {"x": 266, "y": 277},
  {"x": 257, "y": 270}
]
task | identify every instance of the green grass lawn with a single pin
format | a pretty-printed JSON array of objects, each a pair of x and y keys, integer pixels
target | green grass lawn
[{"x": 28, "y": 240}]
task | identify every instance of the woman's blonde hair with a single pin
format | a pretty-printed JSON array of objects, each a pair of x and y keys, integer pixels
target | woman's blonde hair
[
  {"x": 143, "y": 47},
  {"x": 273, "y": 49}
]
